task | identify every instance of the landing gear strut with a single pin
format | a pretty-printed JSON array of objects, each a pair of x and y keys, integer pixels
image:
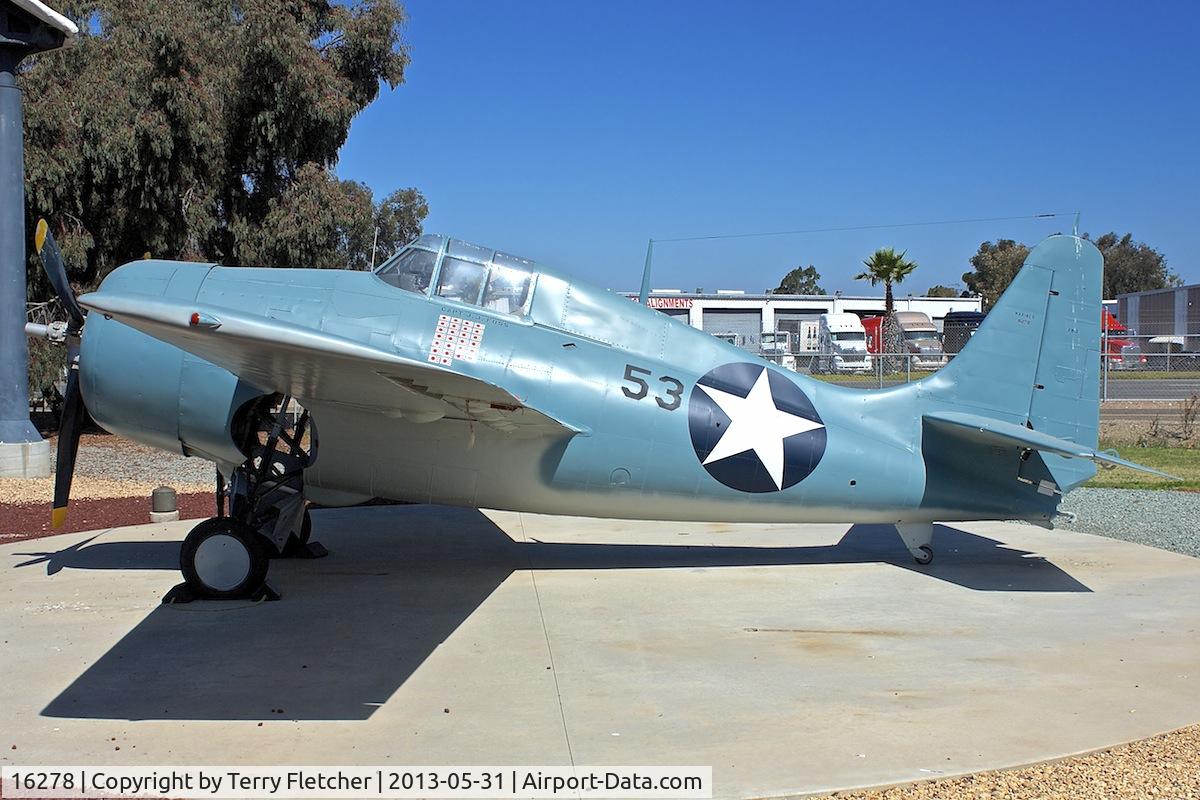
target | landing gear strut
[
  {"x": 227, "y": 557},
  {"x": 918, "y": 538}
]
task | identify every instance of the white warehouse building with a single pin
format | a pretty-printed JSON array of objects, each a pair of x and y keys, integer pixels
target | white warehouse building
[{"x": 749, "y": 315}]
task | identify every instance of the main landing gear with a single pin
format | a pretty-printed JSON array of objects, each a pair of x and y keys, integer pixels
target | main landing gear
[
  {"x": 222, "y": 559},
  {"x": 227, "y": 556},
  {"x": 918, "y": 538}
]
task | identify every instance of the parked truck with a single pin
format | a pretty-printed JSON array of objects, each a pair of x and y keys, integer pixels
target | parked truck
[
  {"x": 1119, "y": 352},
  {"x": 804, "y": 344},
  {"x": 735, "y": 339},
  {"x": 841, "y": 344},
  {"x": 919, "y": 341},
  {"x": 958, "y": 327},
  {"x": 776, "y": 346}
]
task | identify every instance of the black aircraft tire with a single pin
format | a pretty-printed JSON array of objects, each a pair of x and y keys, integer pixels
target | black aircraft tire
[{"x": 221, "y": 559}]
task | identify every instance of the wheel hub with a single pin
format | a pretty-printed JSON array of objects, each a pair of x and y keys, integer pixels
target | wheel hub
[{"x": 222, "y": 562}]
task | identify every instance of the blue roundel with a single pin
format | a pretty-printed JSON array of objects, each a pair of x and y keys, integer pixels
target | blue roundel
[{"x": 753, "y": 429}]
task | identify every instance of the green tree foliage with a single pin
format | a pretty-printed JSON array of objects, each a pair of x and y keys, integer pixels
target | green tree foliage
[
  {"x": 995, "y": 265},
  {"x": 320, "y": 220},
  {"x": 1131, "y": 266},
  {"x": 207, "y": 130},
  {"x": 45, "y": 369},
  {"x": 801, "y": 280},
  {"x": 398, "y": 219},
  {"x": 941, "y": 291},
  {"x": 888, "y": 267}
]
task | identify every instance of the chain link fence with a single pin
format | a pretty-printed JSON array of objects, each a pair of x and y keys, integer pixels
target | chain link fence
[
  {"x": 1149, "y": 367},
  {"x": 869, "y": 372},
  {"x": 1132, "y": 368}
]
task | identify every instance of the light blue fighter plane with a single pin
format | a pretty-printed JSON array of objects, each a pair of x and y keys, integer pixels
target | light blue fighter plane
[{"x": 460, "y": 375}]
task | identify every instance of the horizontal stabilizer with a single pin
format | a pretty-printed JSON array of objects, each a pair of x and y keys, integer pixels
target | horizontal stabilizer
[{"x": 996, "y": 431}]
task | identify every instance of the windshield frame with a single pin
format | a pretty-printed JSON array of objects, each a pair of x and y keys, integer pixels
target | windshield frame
[
  {"x": 472, "y": 254},
  {"x": 433, "y": 275}
]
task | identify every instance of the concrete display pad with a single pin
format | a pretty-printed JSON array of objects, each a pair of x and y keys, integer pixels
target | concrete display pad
[{"x": 790, "y": 658}]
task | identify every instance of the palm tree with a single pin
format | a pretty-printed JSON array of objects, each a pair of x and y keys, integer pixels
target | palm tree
[{"x": 887, "y": 266}]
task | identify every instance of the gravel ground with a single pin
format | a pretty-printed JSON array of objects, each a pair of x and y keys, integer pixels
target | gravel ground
[
  {"x": 21, "y": 521},
  {"x": 1163, "y": 767},
  {"x": 112, "y": 457},
  {"x": 109, "y": 466},
  {"x": 113, "y": 481},
  {"x": 1167, "y": 520}
]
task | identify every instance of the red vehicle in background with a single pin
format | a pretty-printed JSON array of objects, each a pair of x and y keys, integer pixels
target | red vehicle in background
[
  {"x": 1119, "y": 352},
  {"x": 874, "y": 326},
  {"x": 920, "y": 343}
]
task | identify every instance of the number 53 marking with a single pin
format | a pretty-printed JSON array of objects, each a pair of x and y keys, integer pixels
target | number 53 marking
[{"x": 674, "y": 390}]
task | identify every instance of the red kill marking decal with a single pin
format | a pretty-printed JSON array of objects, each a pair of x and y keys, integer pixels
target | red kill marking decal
[{"x": 455, "y": 339}]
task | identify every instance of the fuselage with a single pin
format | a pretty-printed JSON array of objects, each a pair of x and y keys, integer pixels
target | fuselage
[{"x": 628, "y": 378}]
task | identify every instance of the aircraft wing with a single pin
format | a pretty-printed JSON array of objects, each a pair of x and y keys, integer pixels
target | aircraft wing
[
  {"x": 322, "y": 368},
  {"x": 1000, "y": 432}
]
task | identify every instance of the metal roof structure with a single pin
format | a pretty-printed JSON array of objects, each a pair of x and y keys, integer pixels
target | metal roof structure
[{"x": 47, "y": 16}]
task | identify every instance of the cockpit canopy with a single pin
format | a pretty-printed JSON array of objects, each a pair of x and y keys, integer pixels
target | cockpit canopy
[
  {"x": 457, "y": 272},
  {"x": 464, "y": 272}
]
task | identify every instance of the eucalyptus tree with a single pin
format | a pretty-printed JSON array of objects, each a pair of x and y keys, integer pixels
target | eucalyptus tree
[{"x": 208, "y": 130}]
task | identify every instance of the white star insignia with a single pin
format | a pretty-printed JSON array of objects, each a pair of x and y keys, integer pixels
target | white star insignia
[{"x": 756, "y": 424}]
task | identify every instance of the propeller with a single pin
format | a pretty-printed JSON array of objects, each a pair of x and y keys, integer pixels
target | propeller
[
  {"x": 52, "y": 262},
  {"x": 74, "y": 412}
]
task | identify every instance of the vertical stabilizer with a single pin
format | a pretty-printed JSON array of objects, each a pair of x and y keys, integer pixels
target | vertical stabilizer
[{"x": 1035, "y": 360}]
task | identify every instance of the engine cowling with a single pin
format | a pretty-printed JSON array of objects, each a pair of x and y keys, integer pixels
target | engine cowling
[{"x": 153, "y": 392}]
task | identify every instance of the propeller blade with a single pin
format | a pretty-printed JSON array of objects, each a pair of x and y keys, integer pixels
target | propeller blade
[
  {"x": 74, "y": 413},
  {"x": 69, "y": 429},
  {"x": 52, "y": 262}
]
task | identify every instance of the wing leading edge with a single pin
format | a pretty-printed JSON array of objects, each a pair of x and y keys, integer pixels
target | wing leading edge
[{"x": 323, "y": 368}]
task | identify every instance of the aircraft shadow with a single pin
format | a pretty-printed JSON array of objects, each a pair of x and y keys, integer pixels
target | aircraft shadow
[{"x": 353, "y": 627}]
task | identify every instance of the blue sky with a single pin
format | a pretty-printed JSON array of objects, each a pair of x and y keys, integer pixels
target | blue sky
[{"x": 572, "y": 132}]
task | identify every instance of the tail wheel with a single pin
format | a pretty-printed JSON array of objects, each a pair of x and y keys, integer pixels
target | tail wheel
[{"x": 222, "y": 559}]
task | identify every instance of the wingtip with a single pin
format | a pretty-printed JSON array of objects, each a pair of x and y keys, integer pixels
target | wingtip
[
  {"x": 58, "y": 516},
  {"x": 39, "y": 236}
]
